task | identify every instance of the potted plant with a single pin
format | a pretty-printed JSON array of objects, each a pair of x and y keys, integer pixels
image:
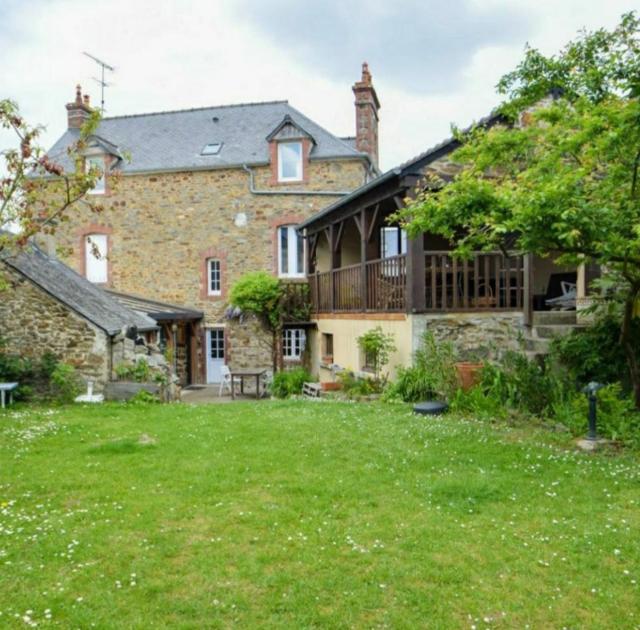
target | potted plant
[{"x": 469, "y": 368}]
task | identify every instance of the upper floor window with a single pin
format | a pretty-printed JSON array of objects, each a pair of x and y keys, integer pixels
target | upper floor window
[
  {"x": 293, "y": 342},
  {"x": 290, "y": 252},
  {"x": 214, "y": 274},
  {"x": 289, "y": 161},
  {"x": 393, "y": 241},
  {"x": 95, "y": 256},
  {"x": 97, "y": 162}
]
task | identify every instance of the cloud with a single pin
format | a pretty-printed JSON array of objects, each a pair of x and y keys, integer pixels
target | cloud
[{"x": 422, "y": 46}]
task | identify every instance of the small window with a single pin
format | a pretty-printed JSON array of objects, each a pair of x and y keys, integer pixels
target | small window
[
  {"x": 95, "y": 255},
  {"x": 289, "y": 161},
  {"x": 97, "y": 163},
  {"x": 327, "y": 348},
  {"x": 212, "y": 149},
  {"x": 393, "y": 241},
  {"x": 368, "y": 361},
  {"x": 290, "y": 252},
  {"x": 215, "y": 276},
  {"x": 293, "y": 342}
]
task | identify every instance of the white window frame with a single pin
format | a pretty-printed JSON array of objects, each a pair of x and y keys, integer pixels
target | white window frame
[
  {"x": 96, "y": 269},
  {"x": 292, "y": 253},
  {"x": 101, "y": 184},
  {"x": 298, "y": 177},
  {"x": 210, "y": 270},
  {"x": 294, "y": 341}
]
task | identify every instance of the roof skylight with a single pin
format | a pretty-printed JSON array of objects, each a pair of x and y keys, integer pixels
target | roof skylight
[{"x": 211, "y": 149}]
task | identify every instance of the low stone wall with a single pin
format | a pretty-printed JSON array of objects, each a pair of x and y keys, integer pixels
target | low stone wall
[
  {"x": 475, "y": 332},
  {"x": 33, "y": 323}
]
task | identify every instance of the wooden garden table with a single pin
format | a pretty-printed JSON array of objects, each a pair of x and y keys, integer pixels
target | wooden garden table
[{"x": 246, "y": 373}]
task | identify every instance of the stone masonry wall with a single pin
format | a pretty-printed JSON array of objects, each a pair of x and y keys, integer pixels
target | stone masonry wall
[
  {"x": 475, "y": 333},
  {"x": 163, "y": 226},
  {"x": 33, "y": 323}
]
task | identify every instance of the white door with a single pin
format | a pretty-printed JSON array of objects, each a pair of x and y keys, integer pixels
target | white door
[{"x": 215, "y": 354}]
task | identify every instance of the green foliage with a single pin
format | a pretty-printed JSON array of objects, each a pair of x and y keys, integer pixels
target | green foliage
[
  {"x": 593, "y": 354},
  {"x": 565, "y": 180},
  {"x": 139, "y": 372},
  {"x": 377, "y": 346},
  {"x": 258, "y": 293},
  {"x": 289, "y": 382},
  {"x": 33, "y": 376},
  {"x": 66, "y": 383},
  {"x": 617, "y": 418},
  {"x": 432, "y": 375},
  {"x": 355, "y": 387},
  {"x": 143, "y": 397}
]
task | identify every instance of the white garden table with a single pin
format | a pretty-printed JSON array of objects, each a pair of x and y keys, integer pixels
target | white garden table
[{"x": 4, "y": 388}]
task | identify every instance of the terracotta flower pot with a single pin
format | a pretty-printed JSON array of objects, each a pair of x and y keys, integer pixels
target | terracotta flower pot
[
  {"x": 330, "y": 387},
  {"x": 468, "y": 374}
]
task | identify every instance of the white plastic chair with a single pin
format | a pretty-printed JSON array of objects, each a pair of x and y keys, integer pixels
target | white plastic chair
[{"x": 226, "y": 379}]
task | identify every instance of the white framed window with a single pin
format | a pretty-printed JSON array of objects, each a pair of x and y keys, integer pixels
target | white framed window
[
  {"x": 214, "y": 277},
  {"x": 393, "y": 241},
  {"x": 95, "y": 258},
  {"x": 97, "y": 162},
  {"x": 290, "y": 252},
  {"x": 293, "y": 343},
  {"x": 290, "y": 161}
]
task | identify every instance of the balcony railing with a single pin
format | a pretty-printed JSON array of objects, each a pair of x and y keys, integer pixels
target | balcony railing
[{"x": 489, "y": 281}]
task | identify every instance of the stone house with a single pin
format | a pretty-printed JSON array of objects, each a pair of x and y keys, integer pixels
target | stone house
[
  {"x": 365, "y": 272},
  {"x": 203, "y": 196},
  {"x": 49, "y": 308}
]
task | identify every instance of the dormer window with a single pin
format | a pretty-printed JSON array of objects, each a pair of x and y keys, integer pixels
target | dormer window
[
  {"x": 97, "y": 164},
  {"x": 290, "y": 161},
  {"x": 212, "y": 149}
]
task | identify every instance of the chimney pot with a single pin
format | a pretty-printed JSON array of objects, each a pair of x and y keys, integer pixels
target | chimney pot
[{"x": 79, "y": 110}]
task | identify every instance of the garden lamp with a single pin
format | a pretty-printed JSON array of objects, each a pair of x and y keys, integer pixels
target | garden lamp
[{"x": 591, "y": 390}]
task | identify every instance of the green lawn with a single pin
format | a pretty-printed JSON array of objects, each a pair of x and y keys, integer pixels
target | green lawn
[{"x": 302, "y": 515}]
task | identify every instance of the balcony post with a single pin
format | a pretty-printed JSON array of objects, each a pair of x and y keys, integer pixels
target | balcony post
[
  {"x": 363, "y": 259},
  {"x": 528, "y": 289},
  {"x": 416, "y": 275}
]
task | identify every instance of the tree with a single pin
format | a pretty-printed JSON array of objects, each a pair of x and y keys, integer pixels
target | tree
[
  {"x": 559, "y": 175},
  {"x": 377, "y": 347},
  {"x": 36, "y": 193}
]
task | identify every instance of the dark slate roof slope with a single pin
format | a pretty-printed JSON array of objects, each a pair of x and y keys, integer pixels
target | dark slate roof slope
[
  {"x": 80, "y": 295},
  {"x": 159, "y": 311},
  {"x": 174, "y": 140}
]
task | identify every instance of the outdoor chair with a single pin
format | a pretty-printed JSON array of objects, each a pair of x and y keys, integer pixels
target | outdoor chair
[
  {"x": 226, "y": 380},
  {"x": 566, "y": 301}
]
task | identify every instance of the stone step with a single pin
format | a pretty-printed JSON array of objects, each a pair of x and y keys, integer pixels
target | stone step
[
  {"x": 546, "y": 318},
  {"x": 533, "y": 355},
  {"x": 550, "y": 331},
  {"x": 535, "y": 344}
]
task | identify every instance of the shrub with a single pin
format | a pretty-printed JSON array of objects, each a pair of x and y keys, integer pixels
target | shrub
[
  {"x": 143, "y": 397},
  {"x": 594, "y": 354},
  {"x": 289, "y": 382},
  {"x": 433, "y": 374},
  {"x": 65, "y": 383},
  {"x": 354, "y": 387},
  {"x": 377, "y": 347}
]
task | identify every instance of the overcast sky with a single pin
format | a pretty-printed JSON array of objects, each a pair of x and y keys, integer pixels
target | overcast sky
[{"x": 433, "y": 62}]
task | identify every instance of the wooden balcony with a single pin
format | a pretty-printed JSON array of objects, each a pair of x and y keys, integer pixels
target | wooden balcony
[{"x": 439, "y": 283}]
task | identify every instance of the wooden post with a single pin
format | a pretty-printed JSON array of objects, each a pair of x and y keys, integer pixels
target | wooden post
[
  {"x": 363, "y": 259},
  {"x": 528, "y": 290},
  {"x": 416, "y": 275}
]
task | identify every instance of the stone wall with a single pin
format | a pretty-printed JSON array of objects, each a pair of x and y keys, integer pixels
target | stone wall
[
  {"x": 33, "y": 323},
  {"x": 474, "y": 333},
  {"x": 163, "y": 226}
]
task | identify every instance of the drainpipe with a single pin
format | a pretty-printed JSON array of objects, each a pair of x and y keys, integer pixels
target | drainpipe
[{"x": 322, "y": 193}]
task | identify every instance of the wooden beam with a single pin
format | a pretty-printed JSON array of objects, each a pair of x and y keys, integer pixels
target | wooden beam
[
  {"x": 372, "y": 225},
  {"x": 338, "y": 236},
  {"x": 363, "y": 258}
]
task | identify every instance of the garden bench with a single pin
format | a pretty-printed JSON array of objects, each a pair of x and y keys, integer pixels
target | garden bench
[{"x": 4, "y": 388}]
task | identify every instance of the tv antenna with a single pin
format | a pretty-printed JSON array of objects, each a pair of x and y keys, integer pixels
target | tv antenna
[{"x": 101, "y": 82}]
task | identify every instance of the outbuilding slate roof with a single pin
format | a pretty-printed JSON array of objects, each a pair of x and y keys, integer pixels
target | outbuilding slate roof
[
  {"x": 80, "y": 295},
  {"x": 173, "y": 140}
]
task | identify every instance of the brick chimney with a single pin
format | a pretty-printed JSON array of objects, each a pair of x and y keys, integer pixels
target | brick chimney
[
  {"x": 78, "y": 111},
  {"x": 367, "y": 106}
]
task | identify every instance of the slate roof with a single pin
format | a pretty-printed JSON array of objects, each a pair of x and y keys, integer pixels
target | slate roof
[
  {"x": 80, "y": 295},
  {"x": 174, "y": 140},
  {"x": 159, "y": 311},
  {"x": 409, "y": 167}
]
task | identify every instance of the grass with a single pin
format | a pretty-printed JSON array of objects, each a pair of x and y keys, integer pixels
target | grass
[{"x": 305, "y": 515}]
